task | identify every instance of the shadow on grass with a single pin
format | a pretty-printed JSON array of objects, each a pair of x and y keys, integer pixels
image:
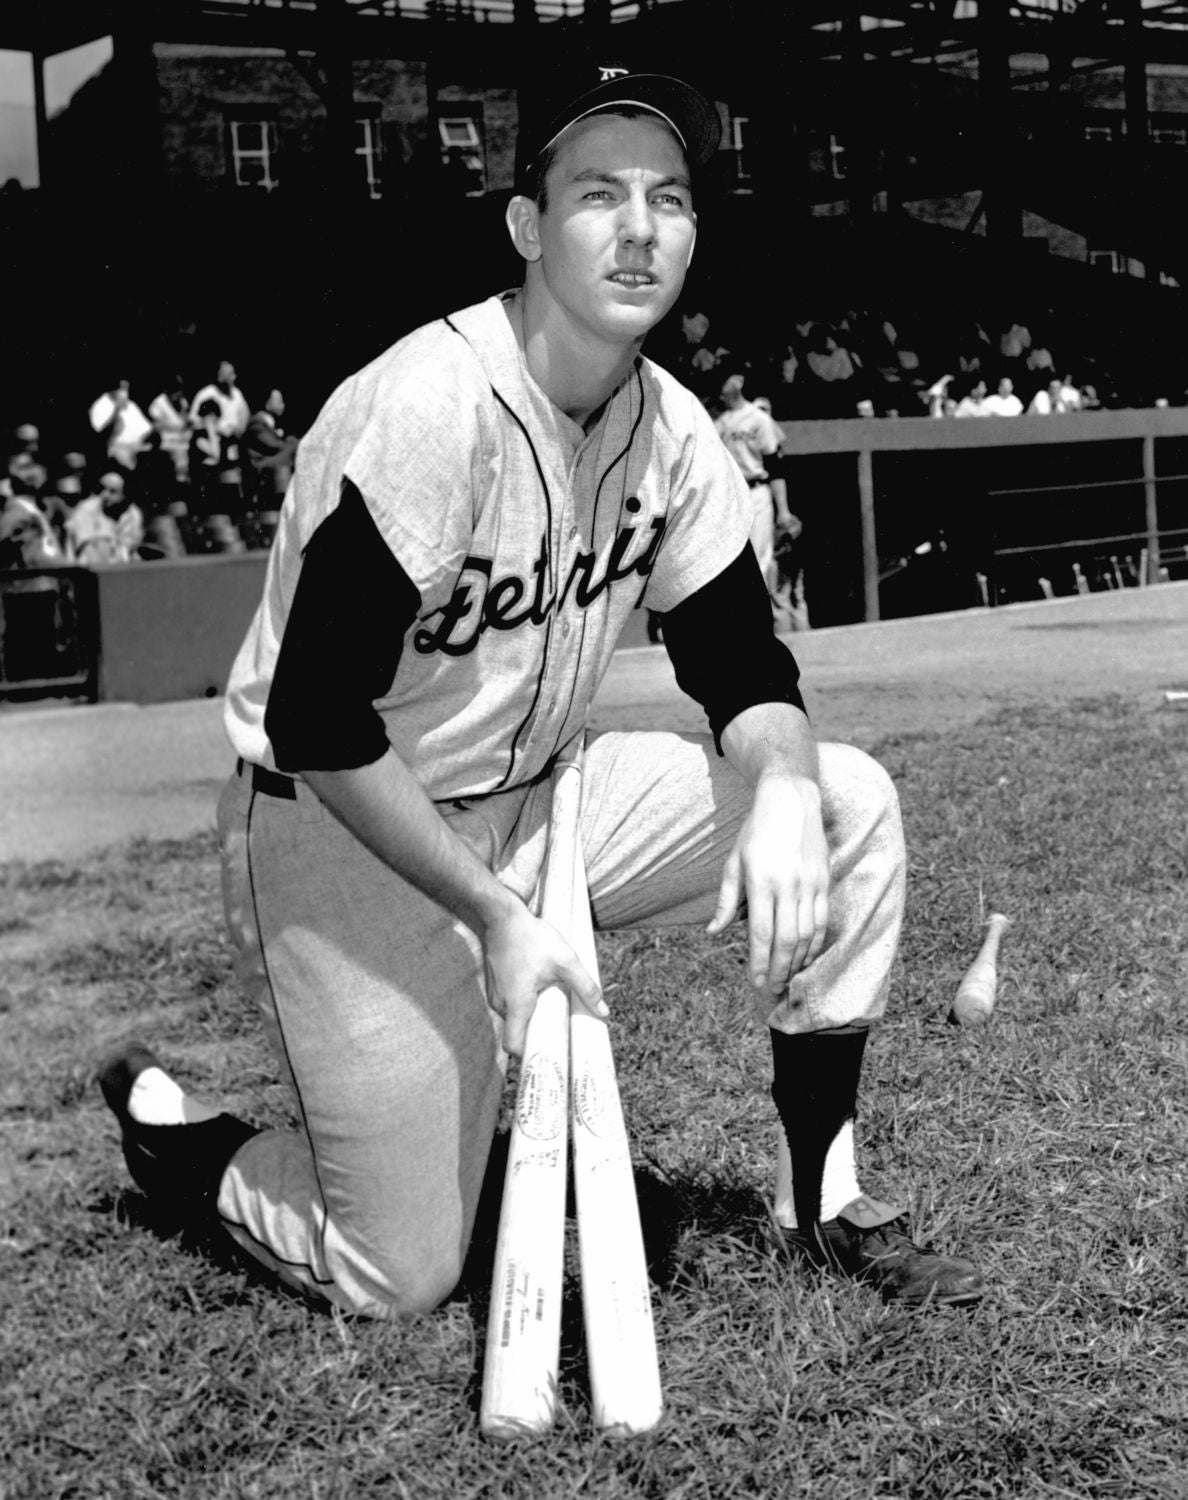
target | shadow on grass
[
  {"x": 204, "y": 1241},
  {"x": 678, "y": 1215}
]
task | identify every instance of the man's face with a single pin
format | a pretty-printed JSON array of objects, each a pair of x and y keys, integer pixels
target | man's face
[
  {"x": 226, "y": 374},
  {"x": 617, "y": 236},
  {"x": 111, "y": 490},
  {"x": 275, "y": 404}
]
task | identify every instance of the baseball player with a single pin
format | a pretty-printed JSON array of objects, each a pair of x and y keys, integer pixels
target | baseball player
[
  {"x": 472, "y": 520},
  {"x": 750, "y": 433}
]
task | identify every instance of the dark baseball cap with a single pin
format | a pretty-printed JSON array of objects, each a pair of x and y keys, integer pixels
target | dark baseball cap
[{"x": 589, "y": 87}]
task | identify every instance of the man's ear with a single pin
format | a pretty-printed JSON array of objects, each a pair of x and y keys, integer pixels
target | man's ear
[
  {"x": 692, "y": 245},
  {"x": 523, "y": 224}
]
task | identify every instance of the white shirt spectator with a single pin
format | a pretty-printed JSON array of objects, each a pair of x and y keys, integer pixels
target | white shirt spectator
[
  {"x": 235, "y": 413},
  {"x": 172, "y": 421},
  {"x": 127, "y": 427},
  {"x": 1047, "y": 401},
  {"x": 1004, "y": 402}
]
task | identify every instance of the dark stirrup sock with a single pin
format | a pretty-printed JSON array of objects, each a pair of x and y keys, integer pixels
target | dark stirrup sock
[
  {"x": 815, "y": 1090},
  {"x": 181, "y": 1165}
]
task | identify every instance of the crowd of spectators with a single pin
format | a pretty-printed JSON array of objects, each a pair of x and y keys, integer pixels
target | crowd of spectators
[
  {"x": 861, "y": 363},
  {"x": 181, "y": 474}
]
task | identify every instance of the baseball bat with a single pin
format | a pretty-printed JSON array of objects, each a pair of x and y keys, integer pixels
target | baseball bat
[
  {"x": 519, "y": 1394},
  {"x": 973, "y": 1003},
  {"x": 616, "y": 1298}
]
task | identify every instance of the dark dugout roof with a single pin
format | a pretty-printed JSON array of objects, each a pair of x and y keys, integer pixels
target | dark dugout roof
[{"x": 1094, "y": 32}]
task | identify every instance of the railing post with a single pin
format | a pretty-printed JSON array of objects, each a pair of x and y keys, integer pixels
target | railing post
[
  {"x": 870, "y": 547},
  {"x": 1150, "y": 487}
]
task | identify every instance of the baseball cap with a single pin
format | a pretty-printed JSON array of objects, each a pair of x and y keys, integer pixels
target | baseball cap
[{"x": 587, "y": 87}]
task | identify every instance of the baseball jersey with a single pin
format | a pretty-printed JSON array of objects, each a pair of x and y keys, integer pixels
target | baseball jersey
[
  {"x": 751, "y": 435},
  {"x": 528, "y": 540}
]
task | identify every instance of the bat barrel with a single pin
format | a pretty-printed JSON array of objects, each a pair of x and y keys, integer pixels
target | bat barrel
[
  {"x": 616, "y": 1297},
  {"x": 523, "y": 1344}
]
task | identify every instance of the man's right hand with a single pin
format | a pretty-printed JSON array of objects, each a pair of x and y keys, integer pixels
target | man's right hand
[
  {"x": 525, "y": 956},
  {"x": 388, "y": 811}
]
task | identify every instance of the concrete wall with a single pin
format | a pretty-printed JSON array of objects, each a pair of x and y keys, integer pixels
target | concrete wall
[{"x": 170, "y": 630}]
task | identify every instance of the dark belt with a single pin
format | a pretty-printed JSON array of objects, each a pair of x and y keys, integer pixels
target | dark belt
[
  {"x": 757, "y": 480},
  {"x": 270, "y": 783}
]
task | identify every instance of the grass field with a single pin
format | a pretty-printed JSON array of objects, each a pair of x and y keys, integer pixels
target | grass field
[{"x": 136, "y": 1362}]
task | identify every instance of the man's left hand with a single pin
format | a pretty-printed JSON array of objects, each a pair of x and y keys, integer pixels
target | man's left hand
[{"x": 780, "y": 865}]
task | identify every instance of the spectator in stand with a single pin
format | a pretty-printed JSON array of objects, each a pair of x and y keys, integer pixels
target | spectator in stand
[
  {"x": 234, "y": 411},
  {"x": 15, "y": 469},
  {"x": 169, "y": 413},
  {"x": 216, "y": 485},
  {"x": 834, "y": 371},
  {"x": 27, "y": 439},
  {"x": 975, "y": 352},
  {"x": 26, "y": 476},
  {"x": 693, "y": 357},
  {"x": 1070, "y": 395},
  {"x": 785, "y": 381},
  {"x": 121, "y": 426},
  {"x": 973, "y": 403},
  {"x": 1004, "y": 402},
  {"x": 1040, "y": 364},
  {"x": 940, "y": 403},
  {"x": 1013, "y": 342},
  {"x": 269, "y": 452},
  {"x": 107, "y": 527},
  {"x": 61, "y": 501},
  {"x": 26, "y": 537},
  {"x": 1048, "y": 400},
  {"x": 76, "y": 463}
]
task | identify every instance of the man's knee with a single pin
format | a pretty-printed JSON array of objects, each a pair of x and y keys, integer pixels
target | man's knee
[
  {"x": 408, "y": 1275},
  {"x": 858, "y": 780},
  {"x": 404, "y": 1287},
  {"x": 861, "y": 809}
]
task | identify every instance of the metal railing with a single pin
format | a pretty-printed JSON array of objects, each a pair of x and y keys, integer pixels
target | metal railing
[{"x": 869, "y": 438}]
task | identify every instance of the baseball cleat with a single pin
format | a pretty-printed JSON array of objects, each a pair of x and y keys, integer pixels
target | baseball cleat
[
  {"x": 181, "y": 1165},
  {"x": 864, "y": 1243}
]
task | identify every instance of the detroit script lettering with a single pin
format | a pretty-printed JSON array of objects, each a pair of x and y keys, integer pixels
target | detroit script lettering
[{"x": 481, "y": 602}]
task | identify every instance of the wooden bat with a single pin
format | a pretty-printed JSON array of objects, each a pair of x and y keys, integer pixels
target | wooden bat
[
  {"x": 973, "y": 1003},
  {"x": 616, "y": 1298},
  {"x": 523, "y": 1347}
]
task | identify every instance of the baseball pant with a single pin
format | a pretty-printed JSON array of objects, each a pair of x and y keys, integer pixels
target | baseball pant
[{"x": 373, "y": 996}]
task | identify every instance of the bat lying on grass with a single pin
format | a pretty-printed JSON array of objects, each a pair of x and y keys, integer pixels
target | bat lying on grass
[{"x": 974, "y": 1001}]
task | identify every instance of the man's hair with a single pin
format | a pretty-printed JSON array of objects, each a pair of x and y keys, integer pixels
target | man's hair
[{"x": 533, "y": 183}]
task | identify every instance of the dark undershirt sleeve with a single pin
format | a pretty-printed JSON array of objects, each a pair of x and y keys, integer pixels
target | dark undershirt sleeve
[
  {"x": 723, "y": 648},
  {"x": 341, "y": 645}
]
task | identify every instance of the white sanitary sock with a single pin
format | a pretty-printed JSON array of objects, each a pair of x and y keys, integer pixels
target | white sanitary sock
[
  {"x": 156, "y": 1099},
  {"x": 839, "y": 1184}
]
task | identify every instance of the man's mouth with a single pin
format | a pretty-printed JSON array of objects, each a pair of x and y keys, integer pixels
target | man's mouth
[{"x": 632, "y": 278}]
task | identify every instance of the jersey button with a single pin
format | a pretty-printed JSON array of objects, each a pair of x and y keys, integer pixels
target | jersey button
[
  {"x": 565, "y": 629},
  {"x": 553, "y": 706}
]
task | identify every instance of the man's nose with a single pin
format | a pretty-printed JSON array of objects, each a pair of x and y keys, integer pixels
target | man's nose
[{"x": 637, "y": 225}]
